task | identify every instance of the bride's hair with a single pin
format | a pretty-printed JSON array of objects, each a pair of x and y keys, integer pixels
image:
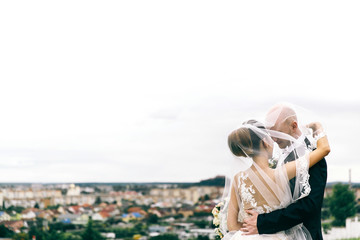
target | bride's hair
[{"x": 244, "y": 142}]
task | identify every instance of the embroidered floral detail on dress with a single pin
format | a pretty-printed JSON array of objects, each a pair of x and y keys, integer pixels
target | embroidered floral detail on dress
[
  {"x": 247, "y": 192},
  {"x": 303, "y": 176},
  {"x": 268, "y": 208}
]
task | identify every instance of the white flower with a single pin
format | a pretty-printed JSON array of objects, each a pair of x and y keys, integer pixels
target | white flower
[
  {"x": 218, "y": 232},
  {"x": 215, "y": 211},
  {"x": 216, "y": 221}
]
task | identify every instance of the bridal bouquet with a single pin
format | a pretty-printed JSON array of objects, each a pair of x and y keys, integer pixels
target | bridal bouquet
[{"x": 217, "y": 213}]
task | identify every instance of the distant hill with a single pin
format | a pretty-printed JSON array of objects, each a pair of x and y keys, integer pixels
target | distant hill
[{"x": 218, "y": 181}]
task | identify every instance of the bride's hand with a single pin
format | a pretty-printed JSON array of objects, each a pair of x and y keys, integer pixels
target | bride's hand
[{"x": 316, "y": 127}]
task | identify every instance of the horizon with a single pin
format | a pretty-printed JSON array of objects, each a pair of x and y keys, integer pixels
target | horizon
[{"x": 45, "y": 183}]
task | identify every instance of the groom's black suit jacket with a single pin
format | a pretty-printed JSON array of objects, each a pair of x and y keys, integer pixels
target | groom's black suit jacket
[{"x": 306, "y": 210}]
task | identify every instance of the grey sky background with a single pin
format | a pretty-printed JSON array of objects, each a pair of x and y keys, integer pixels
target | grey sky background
[{"x": 149, "y": 90}]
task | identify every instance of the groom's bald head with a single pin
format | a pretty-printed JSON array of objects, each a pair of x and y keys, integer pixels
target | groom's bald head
[
  {"x": 280, "y": 113},
  {"x": 282, "y": 117}
]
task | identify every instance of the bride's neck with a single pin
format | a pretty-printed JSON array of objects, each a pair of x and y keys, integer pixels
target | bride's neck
[{"x": 262, "y": 161}]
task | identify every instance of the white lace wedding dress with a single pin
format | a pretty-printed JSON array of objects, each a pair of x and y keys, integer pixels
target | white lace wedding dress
[{"x": 265, "y": 190}]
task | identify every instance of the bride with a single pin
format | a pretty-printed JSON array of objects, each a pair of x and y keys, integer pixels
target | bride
[{"x": 265, "y": 189}]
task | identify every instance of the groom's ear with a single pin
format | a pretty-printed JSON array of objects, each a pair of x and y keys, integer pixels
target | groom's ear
[{"x": 294, "y": 125}]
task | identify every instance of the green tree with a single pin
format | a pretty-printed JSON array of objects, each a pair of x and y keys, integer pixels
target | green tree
[
  {"x": 166, "y": 236},
  {"x": 53, "y": 206},
  {"x": 53, "y": 235},
  {"x": 152, "y": 218},
  {"x": 37, "y": 232},
  {"x": 342, "y": 204},
  {"x": 20, "y": 236},
  {"x": 124, "y": 232},
  {"x": 17, "y": 209},
  {"x": 70, "y": 236},
  {"x": 204, "y": 198},
  {"x": 62, "y": 227},
  {"x": 98, "y": 200},
  {"x": 202, "y": 214},
  {"x": 112, "y": 220},
  {"x": 90, "y": 233},
  {"x": 202, "y": 223},
  {"x": 326, "y": 227},
  {"x": 5, "y": 232},
  {"x": 203, "y": 238},
  {"x": 325, "y": 210}
]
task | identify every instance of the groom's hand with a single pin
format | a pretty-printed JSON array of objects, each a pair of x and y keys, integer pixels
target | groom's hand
[{"x": 249, "y": 225}]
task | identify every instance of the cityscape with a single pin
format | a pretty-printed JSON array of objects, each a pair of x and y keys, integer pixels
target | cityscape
[{"x": 117, "y": 211}]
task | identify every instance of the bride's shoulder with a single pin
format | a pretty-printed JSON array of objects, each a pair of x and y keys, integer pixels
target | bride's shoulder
[{"x": 242, "y": 175}]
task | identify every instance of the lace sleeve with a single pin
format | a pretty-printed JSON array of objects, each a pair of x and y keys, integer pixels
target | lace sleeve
[
  {"x": 297, "y": 172},
  {"x": 302, "y": 187}
]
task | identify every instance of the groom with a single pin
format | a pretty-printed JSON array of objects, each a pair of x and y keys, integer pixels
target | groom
[{"x": 306, "y": 210}]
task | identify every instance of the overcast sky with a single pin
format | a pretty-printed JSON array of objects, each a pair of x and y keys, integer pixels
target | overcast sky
[{"x": 149, "y": 90}]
